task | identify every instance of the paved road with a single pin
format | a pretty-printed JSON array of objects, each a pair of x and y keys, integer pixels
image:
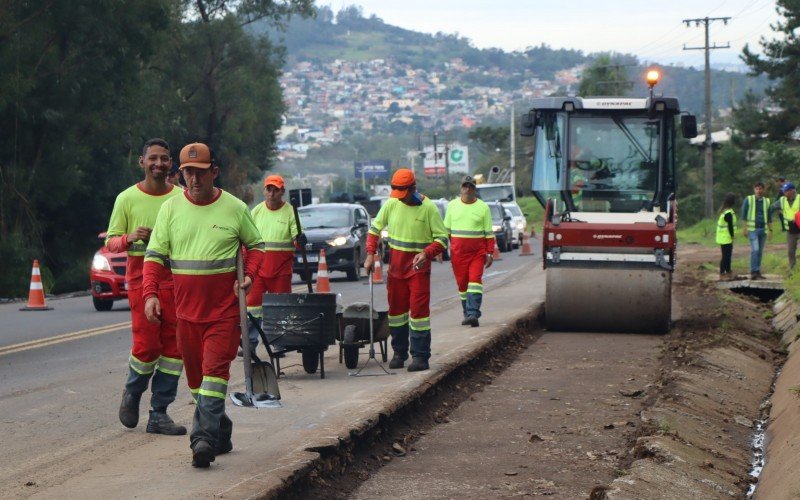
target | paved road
[{"x": 59, "y": 397}]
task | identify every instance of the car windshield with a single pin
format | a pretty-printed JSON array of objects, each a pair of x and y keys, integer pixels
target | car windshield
[
  {"x": 324, "y": 217},
  {"x": 515, "y": 211},
  {"x": 495, "y": 193},
  {"x": 497, "y": 212}
]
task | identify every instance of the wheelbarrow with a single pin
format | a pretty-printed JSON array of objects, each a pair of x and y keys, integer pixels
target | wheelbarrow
[
  {"x": 354, "y": 332},
  {"x": 302, "y": 322}
]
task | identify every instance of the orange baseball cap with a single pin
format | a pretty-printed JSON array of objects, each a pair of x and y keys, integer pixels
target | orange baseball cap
[
  {"x": 402, "y": 178},
  {"x": 195, "y": 155},
  {"x": 274, "y": 180}
]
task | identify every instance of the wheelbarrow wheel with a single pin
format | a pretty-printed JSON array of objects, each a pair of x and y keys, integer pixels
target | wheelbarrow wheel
[
  {"x": 350, "y": 347},
  {"x": 310, "y": 361}
]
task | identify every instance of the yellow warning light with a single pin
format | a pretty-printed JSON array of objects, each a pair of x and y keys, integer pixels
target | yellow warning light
[{"x": 652, "y": 77}]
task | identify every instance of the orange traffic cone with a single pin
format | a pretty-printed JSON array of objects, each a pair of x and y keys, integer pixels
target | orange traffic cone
[
  {"x": 496, "y": 254},
  {"x": 533, "y": 232},
  {"x": 526, "y": 246},
  {"x": 36, "y": 293},
  {"x": 377, "y": 272},
  {"x": 323, "y": 283}
]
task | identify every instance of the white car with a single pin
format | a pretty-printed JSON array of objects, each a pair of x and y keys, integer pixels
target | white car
[{"x": 518, "y": 222}]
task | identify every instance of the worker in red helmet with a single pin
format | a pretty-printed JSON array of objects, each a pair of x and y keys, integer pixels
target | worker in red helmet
[
  {"x": 198, "y": 235},
  {"x": 469, "y": 223},
  {"x": 154, "y": 358},
  {"x": 277, "y": 225},
  {"x": 416, "y": 236}
]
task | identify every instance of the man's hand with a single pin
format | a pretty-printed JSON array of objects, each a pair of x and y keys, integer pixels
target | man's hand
[
  {"x": 247, "y": 282},
  {"x": 488, "y": 260},
  {"x": 369, "y": 262},
  {"x": 745, "y": 232},
  {"x": 419, "y": 260},
  {"x": 769, "y": 234},
  {"x": 152, "y": 309},
  {"x": 141, "y": 233}
]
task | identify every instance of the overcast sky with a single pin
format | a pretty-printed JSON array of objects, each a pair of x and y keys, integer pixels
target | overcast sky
[{"x": 652, "y": 30}]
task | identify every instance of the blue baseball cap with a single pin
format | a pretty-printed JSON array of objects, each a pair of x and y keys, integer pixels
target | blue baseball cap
[{"x": 788, "y": 186}]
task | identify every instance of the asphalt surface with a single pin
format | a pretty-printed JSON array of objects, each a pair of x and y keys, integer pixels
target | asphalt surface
[{"x": 62, "y": 371}]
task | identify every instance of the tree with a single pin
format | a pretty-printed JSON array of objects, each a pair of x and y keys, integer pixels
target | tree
[
  {"x": 605, "y": 77},
  {"x": 749, "y": 124},
  {"x": 779, "y": 62}
]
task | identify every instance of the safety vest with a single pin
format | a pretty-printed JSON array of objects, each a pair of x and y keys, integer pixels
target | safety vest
[
  {"x": 723, "y": 233},
  {"x": 468, "y": 220},
  {"x": 790, "y": 209},
  {"x": 277, "y": 227},
  {"x": 135, "y": 208},
  {"x": 751, "y": 211},
  {"x": 411, "y": 228}
]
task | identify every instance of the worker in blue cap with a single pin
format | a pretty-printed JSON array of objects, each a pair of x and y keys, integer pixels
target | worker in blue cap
[{"x": 790, "y": 206}]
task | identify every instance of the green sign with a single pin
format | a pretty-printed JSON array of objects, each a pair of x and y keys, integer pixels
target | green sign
[{"x": 456, "y": 155}]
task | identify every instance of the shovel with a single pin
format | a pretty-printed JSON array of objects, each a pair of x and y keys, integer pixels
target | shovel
[{"x": 260, "y": 382}]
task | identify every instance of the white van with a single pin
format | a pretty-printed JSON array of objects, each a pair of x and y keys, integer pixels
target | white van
[{"x": 518, "y": 222}]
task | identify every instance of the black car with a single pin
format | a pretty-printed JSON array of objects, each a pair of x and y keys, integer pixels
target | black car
[
  {"x": 340, "y": 229},
  {"x": 501, "y": 226}
]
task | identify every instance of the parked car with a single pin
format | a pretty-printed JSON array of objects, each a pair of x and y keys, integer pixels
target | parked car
[
  {"x": 501, "y": 226},
  {"x": 339, "y": 228},
  {"x": 107, "y": 277},
  {"x": 518, "y": 221}
]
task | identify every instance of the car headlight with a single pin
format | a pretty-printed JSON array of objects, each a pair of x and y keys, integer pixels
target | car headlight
[
  {"x": 100, "y": 263},
  {"x": 495, "y": 228},
  {"x": 338, "y": 241},
  {"x": 384, "y": 233},
  {"x": 520, "y": 226}
]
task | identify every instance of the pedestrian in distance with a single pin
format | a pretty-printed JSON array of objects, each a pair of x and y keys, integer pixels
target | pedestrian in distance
[
  {"x": 790, "y": 206},
  {"x": 154, "y": 359},
  {"x": 278, "y": 228},
  {"x": 726, "y": 222},
  {"x": 198, "y": 235},
  {"x": 776, "y": 204},
  {"x": 175, "y": 178},
  {"x": 416, "y": 236},
  {"x": 468, "y": 221},
  {"x": 757, "y": 225}
]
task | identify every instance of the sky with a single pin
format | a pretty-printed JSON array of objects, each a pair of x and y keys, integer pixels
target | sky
[{"x": 653, "y": 30}]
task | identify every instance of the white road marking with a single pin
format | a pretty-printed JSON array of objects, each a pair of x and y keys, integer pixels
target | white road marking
[{"x": 91, "y": 332}]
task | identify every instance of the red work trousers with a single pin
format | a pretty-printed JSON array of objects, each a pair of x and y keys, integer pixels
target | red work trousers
[
  {"x": 467, "y": 268},
  {"x": 410, "y": 295},
  {"x": 261, "y": 285},
  {"x": 152, "y": 340},
  {"x": 208, "y": 349}
]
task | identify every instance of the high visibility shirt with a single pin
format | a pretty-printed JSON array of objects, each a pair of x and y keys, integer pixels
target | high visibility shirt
[
  {"x": 724, "y": 228},
  {"x": 278, "y": 228},
  {"x": 412, "y": 229},
  {"x": 789, "y": 209},
  {"x": 135, "y": 208},
  {"x": 469, "y": 226},
  {"x": 201, "y": 242},
  {"x": 755, "y": 211}
]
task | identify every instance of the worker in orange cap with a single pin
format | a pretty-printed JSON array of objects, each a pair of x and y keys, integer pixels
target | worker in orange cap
[
  {"x": 416, "y": 236},
  {"x": 198, "y": 235},
  {"x": 154, "y": 358},
  {"x": 276, "y": 222}
]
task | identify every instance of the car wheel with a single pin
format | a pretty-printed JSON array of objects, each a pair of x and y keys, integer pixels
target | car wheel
[
  {"x": 102, "y": 305},
  {"x": 353, "y": 274},
  {"x": 350, "y": 347},
  {"x": 310, "y": 361}
]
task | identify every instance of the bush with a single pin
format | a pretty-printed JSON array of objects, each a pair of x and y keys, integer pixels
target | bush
[{"x": 15, "y": 272}]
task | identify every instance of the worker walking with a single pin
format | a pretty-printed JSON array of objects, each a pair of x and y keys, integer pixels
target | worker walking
[
  {"x": 790, "y": 206},
  {"x": 757, "y": 221},
  {"x": 154, "y": 353},
  {"x": 199, "y": 236},
  {"x": 278, "y": 228},
  {"x": 416, "y": 236},
  {"x": 469, "y": 224},
  {"x": 726, "y": 222}
]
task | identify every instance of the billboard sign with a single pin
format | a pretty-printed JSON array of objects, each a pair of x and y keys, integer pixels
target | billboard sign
[
  {"x": 373, "y": 169},
  {"x": 457, "y": 157}
]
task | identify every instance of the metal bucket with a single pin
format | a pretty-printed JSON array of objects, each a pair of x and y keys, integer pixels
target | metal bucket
[{"x": 300, "y": 320}]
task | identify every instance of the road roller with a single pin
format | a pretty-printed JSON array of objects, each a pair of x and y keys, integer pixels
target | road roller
[{"x": 604, "y": 171}]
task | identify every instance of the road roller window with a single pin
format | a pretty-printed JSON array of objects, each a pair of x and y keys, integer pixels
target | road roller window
[
  {"x": 613, "y": 162},
  {"x": 548, "y": 181}
]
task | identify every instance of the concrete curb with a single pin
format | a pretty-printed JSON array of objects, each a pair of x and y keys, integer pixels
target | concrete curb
[{"x": 301, "y": 464}]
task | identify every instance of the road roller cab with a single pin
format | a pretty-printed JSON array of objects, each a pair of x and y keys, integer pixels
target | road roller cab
[{"x": 604, "y": 169}]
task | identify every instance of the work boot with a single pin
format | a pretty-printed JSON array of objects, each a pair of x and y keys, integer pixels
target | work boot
[
  {"x": 397, "y": 361},
  {"x": 129, "y": 409},
  {"x": 465, "y": 321},
  {"x": 472, "y": 321},
  {"x": 760, "y": 276},
  {"x": 418, "y": 365},
  {"x": 202, "y": 454},
  {"x": 161, "y": 423},
  {"x": 753, "y": 276},
  {"x": 223, "y": 446}
]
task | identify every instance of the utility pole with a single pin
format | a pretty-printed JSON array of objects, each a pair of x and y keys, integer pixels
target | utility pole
[
  {"x": 512, "y": 164},
  {"x": 709, "y": 157},
  {"x": 446, "y": 167}
]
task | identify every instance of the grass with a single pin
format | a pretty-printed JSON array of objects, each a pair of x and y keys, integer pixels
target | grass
[
  {"x": 535, "y": 213},
  {"x": 795, "y": 389}
]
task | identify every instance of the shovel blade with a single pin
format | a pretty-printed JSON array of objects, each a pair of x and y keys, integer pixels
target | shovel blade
[
  {"x": 265, "y": 382},
  {"x": 241, "y": 399}
]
